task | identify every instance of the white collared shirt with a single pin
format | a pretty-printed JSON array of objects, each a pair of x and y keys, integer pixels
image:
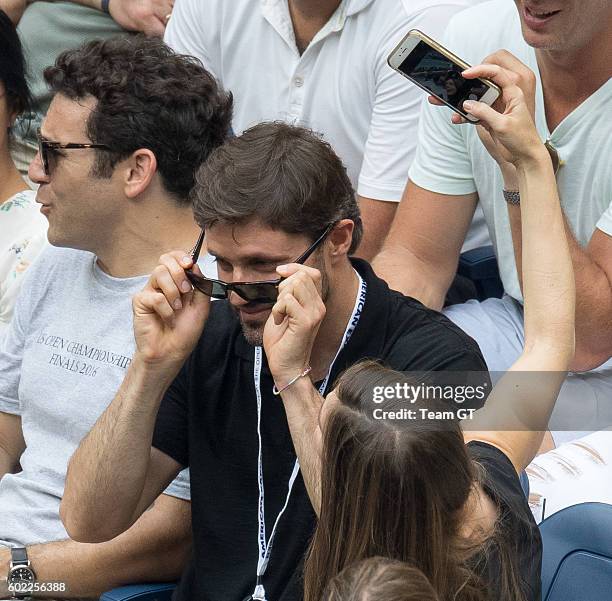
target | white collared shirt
[{"x": 340, "y": 86}]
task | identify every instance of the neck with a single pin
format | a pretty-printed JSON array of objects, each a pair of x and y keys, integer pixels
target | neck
[
  {"x": 136, "y": 245},
  {"x": 11, "y": 181},
  {"x": 570, "y": 77},
  {"x": 339, "y": 308},
  {"x": 308, "y": 17}
]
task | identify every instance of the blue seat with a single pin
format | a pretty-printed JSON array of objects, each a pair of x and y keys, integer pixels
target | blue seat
[
  {"x": 480, "y": 266},
  {"x": 141, "y": 592},
  {"x": 577, "y": 559}
]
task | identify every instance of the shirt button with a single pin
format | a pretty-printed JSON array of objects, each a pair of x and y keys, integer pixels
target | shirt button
[{"x": 299, "y": 82}]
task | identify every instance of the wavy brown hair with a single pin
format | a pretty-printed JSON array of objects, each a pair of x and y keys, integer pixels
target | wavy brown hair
[
  {"x": 398, "y": 490},
  {"x": 379, "y": 578}
]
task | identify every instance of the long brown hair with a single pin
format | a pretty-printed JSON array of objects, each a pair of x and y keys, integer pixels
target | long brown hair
[
  {"x": 397, "y": 491},
  {"x": 379, "y": 578}
]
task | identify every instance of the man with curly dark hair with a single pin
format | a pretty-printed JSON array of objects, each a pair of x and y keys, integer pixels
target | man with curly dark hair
[{"x": 129, "y": 124}]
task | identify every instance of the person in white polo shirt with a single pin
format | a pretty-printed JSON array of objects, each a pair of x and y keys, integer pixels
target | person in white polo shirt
[
  {"x": 322, "y": 64},
  {"x": 558, "y": 51}
]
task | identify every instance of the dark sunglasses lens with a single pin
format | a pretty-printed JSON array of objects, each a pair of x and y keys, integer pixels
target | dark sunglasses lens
[
  {"x": 258, "y": 293},
  {"x": 206, "y": 286},
  {"x": 218, "y": 290}
]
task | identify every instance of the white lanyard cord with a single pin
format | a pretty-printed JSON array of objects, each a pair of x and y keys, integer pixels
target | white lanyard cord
[{"x": 264, "y": 549}]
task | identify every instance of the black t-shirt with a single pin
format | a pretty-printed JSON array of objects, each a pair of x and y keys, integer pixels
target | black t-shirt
[
  {"x": 208, "y": 421},
  {"x": 516, "y": 525}
]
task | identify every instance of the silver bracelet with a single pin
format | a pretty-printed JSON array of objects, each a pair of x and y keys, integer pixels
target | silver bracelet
[
  {"x": 276, "y": 391},
  {"x": 512, "y": 197}
]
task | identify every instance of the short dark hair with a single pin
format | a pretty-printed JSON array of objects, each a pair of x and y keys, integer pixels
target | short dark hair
[
  {"x": 148, "y": 97},
  {"x": 13, "y": 67},
  {"x": 284, "y": 175}
]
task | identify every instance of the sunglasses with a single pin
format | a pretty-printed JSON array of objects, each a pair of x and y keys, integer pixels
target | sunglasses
[
  {"x": 47, "y": 150},
  {"x": 265, "y": 292}
]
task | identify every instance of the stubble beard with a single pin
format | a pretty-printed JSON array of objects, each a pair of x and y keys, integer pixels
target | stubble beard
[{"x": 253, "y": 331}]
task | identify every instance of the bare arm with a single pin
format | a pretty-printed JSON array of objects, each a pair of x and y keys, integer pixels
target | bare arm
[
  {"x": 377, "y": 216},
  {"x": 12, "y": 444},
  {"x": 592, "y": 265},
  {"x": 115, "y": 474},
  {"x": 524, "y": 398},
  {"x": 154, "y": 549},
  {"x": 147, "y": 16},
  {"x": 420, "y": 255},
  {"x": 13, "y": 8}
]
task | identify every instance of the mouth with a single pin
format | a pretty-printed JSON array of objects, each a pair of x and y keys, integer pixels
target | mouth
[
  {"x": 255, "y": 310},
  {"x": 45, "y": 209},
  {"x": 537, "y": 17}
]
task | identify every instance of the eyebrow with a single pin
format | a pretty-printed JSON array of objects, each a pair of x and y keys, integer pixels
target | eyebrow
[{"x": 254, "y": 259}]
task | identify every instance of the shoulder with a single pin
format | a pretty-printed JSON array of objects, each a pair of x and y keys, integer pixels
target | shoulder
[
  {"x": 433, "y": 331},
  {"x": 498, "y": 26}
]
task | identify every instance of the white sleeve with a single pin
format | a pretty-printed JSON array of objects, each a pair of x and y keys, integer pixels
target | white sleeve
[
  {"x": 392, "y": 138},
  {"x": 605, "y": 221},
  {"x": 442, "y": 163},
  {"x": 186, "y": 33},
  {"x": 12, "y": 342},
  {"x": 180, "y": 486}
]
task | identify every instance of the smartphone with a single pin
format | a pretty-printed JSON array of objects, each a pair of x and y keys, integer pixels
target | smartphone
[{"x": 438, "y": 71}]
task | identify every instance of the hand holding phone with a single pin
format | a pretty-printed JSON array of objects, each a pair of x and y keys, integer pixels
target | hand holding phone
[{"x": 439, "y": 72}]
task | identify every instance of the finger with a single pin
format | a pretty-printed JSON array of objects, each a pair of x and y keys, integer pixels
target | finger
[
  {"x": 457, "y": 119},
  {"x": 502, "y": 77},
  {"x": 176, "y": 270},
  {"x": 289, "y": 307},
  {"x": 154, "y": 27},
  {"x": 307, "y": 276},
  {"x": 484, "y": 113},
  {"x": 162, "y": 281},
  {"x": 435, "y": 101},
  {"x": 154, "y": 302},
  {"x": 508, "y": 61},
  {"x": 290, "y": 268}
]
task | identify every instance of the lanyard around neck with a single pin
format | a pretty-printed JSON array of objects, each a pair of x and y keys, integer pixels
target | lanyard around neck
[{"x": 264, "y": 549}]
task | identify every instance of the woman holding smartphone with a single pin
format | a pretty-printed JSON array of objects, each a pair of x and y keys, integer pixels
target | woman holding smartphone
[{"x": 445, "y": 496}]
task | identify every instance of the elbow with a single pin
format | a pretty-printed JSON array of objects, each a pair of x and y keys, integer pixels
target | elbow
[
  {"x": 588, "y": 357},
  {"x": 82, "y": 529}
]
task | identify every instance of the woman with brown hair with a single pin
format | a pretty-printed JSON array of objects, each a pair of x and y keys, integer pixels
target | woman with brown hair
[{"x": 441, "y": 495}]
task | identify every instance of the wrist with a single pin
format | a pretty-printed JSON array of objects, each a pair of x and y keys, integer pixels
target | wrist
[
  {"x": 534, "y": 162},
  {"x": 154, "y": 371},
  {"x": 285, "y": 379}
]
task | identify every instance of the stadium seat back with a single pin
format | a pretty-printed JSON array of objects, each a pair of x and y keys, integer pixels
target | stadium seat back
[{"x": 577, "y": 558}]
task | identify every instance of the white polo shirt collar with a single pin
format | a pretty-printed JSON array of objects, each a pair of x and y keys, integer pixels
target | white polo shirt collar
[{"x": 276, "y": 12}]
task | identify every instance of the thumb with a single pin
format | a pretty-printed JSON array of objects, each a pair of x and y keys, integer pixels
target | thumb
[{"x": 483, "y": 112}]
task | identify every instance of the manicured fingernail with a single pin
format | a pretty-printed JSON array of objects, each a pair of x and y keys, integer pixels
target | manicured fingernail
[
  {"x": 185, "y": 286},
  {"x": 186, "y": 260},
  {"x": 468, "y": 105},
  {"x": 177, "y": 304},
  {"x": 282, "y": 268}
]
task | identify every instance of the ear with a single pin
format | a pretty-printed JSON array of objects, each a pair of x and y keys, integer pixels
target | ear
[
  {"x": 139, "y": 170},
  {"x": 341, "y": 238}
]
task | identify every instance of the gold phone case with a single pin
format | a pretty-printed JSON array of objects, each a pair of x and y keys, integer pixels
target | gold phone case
[{"x": 444, "y": 52}]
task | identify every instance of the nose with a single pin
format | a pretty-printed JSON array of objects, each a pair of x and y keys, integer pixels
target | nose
[
  {"x": 236, "y": 300},
  {"x": 36, "y": 171}
]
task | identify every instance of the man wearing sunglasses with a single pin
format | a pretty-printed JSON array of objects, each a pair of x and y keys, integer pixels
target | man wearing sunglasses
[
  {"x": 281, "y": 220},
  {"x": 129, "y": 124}
]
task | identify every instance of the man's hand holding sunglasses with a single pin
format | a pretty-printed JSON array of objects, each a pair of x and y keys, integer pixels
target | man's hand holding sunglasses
[
  {"x": 292, "y": 327},
  {"x": 169, "y": 315}
]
